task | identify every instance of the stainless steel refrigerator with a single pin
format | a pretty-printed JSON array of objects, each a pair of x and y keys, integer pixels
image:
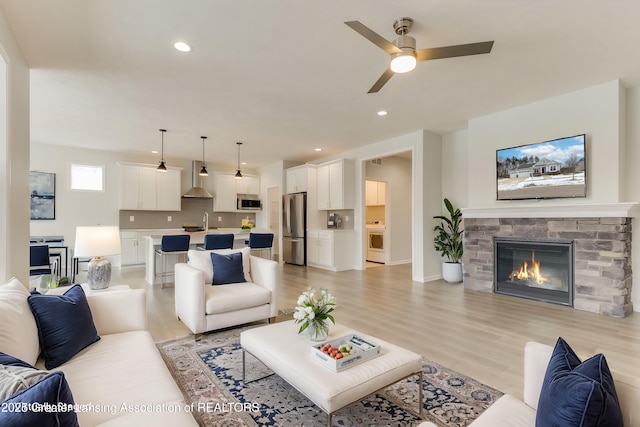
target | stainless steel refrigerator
[{"x": 294, "y": 225}]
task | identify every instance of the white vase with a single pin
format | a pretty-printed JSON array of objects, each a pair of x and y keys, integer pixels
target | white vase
[{"x": 452, "y": 272}]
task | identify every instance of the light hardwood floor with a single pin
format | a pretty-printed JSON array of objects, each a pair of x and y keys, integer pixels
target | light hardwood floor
[{"x": 478, "y": 334}]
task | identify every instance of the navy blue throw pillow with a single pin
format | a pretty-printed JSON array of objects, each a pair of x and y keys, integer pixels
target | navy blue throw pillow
[
  {"x": 8, "y": 360},
  {"x": 47, "y": 403},
  {"x": 227, "y": 268},
  {"x": 65, "y": 325},
  {"x": 575, "y": 393}
]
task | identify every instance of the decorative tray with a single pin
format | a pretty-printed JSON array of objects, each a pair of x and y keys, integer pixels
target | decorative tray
[{"x": 354, "y": 350}]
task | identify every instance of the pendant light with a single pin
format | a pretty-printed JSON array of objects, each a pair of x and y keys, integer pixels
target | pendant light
[
  {"x": 203, "y": 171},
  {"x": 162, "y": 167},
  {"x": 238, "y": 173}
]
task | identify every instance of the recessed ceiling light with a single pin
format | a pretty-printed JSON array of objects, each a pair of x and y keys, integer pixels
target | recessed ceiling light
[
  {"x": 182, "y": 46},
  {"x": 318, "y": 149},
  {"x": 243, "y": 163},
  {"x": 382, "y": 113},
  {"x": 154, "y": 151}
]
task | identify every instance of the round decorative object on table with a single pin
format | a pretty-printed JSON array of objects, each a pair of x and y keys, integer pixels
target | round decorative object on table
[{"x": 318, "y": 330}]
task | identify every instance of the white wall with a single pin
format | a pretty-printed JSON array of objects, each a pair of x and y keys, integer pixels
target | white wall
[
  {"x": 14, "y": 158},
  {"x": 74, "y": 208},
  {"x": 271, "y": 176},
  {"x": 455, "y": 172},
  {"x": 428, "y": 185},
  {"x": 595, "y": 111},
  {"x": 632, "y": 177}
]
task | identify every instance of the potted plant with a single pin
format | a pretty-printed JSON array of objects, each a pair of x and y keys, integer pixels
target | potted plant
[{"x": 448, "y": 241}]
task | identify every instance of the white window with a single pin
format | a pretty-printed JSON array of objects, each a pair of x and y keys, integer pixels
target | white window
[{"x": 84, "y": 177}]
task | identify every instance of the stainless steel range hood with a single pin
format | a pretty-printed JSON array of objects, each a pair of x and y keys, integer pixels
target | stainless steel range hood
[{"x": 197, "y": 191}]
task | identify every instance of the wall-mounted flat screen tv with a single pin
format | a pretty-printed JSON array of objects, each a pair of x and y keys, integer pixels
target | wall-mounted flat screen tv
[{"x": 544, "y": 170}]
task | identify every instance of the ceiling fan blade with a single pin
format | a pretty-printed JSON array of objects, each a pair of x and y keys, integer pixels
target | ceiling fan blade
[
  {"x": 384, "y": 78},
  {"x": 373, "y": 37},
  {"x": 453, "y": 51}
]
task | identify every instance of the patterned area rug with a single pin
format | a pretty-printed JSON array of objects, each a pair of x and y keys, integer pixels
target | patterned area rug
[{"x": 209, "y": 373}]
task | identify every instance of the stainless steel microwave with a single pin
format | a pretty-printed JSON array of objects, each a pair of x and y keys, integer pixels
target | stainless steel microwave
[{"x": 249, "y": 203}]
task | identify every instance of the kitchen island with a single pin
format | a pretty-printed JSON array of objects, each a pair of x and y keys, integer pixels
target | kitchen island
[{"x": 197, "y": 238}]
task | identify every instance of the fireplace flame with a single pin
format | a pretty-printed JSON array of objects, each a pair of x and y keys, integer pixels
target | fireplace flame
[{"x": 527, "y": 272}]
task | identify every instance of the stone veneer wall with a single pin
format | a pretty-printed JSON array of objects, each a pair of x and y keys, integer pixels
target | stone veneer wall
[{"x": 602, "y": 272}]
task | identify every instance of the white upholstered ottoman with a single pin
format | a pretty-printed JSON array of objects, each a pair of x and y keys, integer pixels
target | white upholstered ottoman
[{"x": 288, "y": 354}]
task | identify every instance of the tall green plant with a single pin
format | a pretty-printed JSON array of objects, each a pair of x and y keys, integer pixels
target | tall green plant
[{"x": 448, "y": 240}]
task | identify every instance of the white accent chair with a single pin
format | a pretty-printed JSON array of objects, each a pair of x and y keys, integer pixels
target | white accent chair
[{"x": 204, "y": 307}]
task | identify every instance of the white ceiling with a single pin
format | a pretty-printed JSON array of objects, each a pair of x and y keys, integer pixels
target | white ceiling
[{"x": 287, "y": 76}]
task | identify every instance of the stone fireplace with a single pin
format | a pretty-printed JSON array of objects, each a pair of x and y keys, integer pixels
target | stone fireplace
[{"x": 599, "y": 237}]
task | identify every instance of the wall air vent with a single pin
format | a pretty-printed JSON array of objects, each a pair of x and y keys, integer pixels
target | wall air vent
[{"x": 375, "y": 161}]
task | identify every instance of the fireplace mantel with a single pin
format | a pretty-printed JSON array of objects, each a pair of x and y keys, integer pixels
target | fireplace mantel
[{"x": 607, "y": 210}]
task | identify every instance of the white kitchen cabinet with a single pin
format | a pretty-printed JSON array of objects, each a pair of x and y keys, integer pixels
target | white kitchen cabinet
[
  {"x": 227, "y": 187},
  {"x": 330, "y": 249},
  {"x": 248, "y": 185},
  {"x": 319, "y": 248},
  {"x": 335, "y": 185},
  {"x": 296, "y": 179},
  {"x": 132, "y": 248},
  {"x": 142, "y": 187},
  {"x": 375, "y": 193},
  {"x": 168, "y": 197},
  {"x": 137, "y": 188},
  {"x": 322, "y": 187},
  {"x": 225, "y": 195},
  {"x": 312, "y": 247}
]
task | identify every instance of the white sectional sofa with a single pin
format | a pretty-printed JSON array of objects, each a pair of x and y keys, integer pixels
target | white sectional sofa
[
  {"x": 203, "y": 307},
  {"x": 119, "y": 380},
  {"x": 509, "y": 411}
]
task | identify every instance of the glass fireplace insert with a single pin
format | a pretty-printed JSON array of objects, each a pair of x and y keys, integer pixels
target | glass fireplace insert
[{"x": 534, "y": 269}]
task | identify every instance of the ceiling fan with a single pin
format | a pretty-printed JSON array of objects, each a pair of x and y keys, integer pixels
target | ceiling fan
[{"x": 403, "y": 49}]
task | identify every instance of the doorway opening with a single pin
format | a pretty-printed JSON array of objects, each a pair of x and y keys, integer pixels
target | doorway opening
[{"x": 387, "y": 211}]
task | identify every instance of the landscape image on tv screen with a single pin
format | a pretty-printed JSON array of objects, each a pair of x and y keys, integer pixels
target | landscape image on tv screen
[{"x": 544, "y": 170}]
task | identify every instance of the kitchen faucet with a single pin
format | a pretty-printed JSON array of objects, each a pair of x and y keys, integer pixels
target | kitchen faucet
[{"x": 205, "y": 221}]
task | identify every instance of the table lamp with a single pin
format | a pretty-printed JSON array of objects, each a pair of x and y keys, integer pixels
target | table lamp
[{"x": 97, "y": 242}]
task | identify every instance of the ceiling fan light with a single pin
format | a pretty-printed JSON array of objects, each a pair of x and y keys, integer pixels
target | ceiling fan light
[
  {"x": 182, "y": 47},
  {"x": 403, "y": 62}
]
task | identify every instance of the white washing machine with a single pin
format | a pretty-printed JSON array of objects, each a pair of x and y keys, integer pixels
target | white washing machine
[{"x": 376, "y": 248}]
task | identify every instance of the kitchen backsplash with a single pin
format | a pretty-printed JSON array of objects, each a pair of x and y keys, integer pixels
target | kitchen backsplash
[{"x": 192, "y": 212}]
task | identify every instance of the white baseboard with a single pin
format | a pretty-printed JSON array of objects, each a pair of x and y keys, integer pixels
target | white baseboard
[
  {"x": 403, "y": 261},
  {"x": 427, "y": 278}
]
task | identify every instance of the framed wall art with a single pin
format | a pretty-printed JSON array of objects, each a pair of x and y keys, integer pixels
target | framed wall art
[{"x": 42, "y": 189}]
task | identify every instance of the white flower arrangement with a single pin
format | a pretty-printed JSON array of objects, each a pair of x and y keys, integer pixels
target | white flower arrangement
[{"x": 314, "y": 309}]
